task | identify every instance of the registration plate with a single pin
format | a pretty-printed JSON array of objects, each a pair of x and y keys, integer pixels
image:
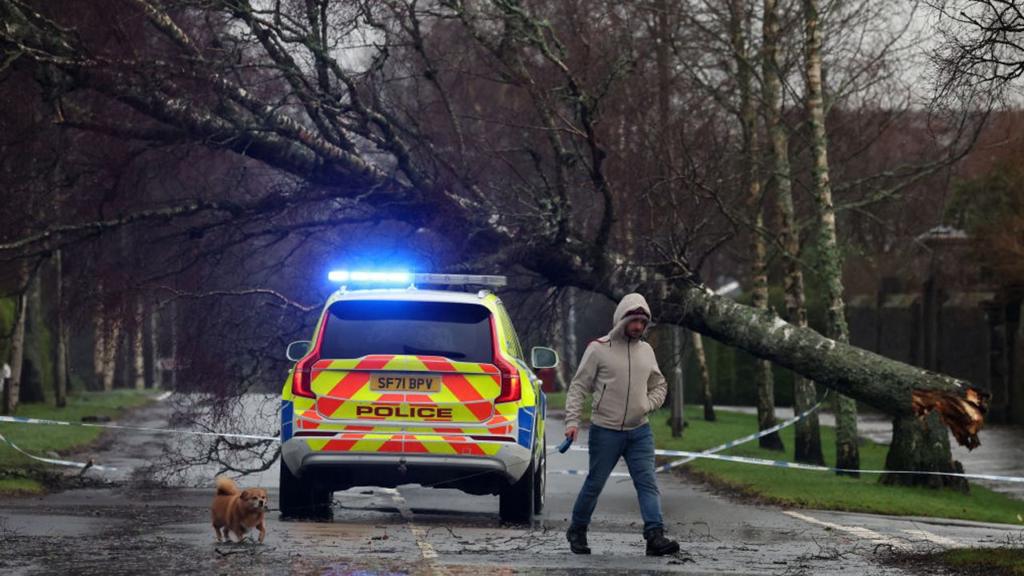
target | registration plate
[{"x": 401, "y": 382}]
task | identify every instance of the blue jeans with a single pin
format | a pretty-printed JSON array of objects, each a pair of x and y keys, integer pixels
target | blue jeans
[{"x": 606, "y": 446}]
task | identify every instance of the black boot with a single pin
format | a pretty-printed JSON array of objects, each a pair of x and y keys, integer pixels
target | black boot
[
  {"x": 577, "y": 537},
  {"x": 658, "y": 545}
]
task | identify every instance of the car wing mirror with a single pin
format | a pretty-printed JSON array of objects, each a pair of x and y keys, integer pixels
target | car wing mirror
[
  {"x": 543, "y": 357},
  {"x": 296, "y": 350}
]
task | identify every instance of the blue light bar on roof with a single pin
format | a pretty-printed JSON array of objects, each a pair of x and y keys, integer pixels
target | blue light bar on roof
[
  {"x": 401, "y": 277},
  {"x": 365, "y": 277}
]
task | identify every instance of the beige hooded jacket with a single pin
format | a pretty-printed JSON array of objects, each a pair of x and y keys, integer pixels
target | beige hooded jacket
[{"x": 622, "y": 375}]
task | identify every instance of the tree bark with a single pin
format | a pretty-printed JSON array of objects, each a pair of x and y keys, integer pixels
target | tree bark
[
  {"x": 763, "y": 379},
  {"x": 138, "y": 346},
  {"x": 921, "y": 444},
  {"x": 99, "y": 340},
  {"x": 12, "y": 392},
  {"x": 808, "y": 435},
  {"x": 891, "y": 386},
  {"x": 705, "y": 378},
  {"x": 111, "y": 342},
  {"x": 831, "y": 260},
  {"x": 156, "y": 376},
  {"x": 60, "y": 383}
]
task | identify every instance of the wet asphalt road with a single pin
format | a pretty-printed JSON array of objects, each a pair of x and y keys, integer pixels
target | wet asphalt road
[{"x": 126, "y": 529}]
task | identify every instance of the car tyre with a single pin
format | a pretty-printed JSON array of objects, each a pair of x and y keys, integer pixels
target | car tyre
[
  {"x": 540, "y": 484},
  {"x": 515, "y": 503},
  {"x": 303, "y": 498}
]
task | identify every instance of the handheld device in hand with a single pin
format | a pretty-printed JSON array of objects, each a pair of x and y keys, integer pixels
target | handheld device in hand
[{"x": 564, "y": 446}]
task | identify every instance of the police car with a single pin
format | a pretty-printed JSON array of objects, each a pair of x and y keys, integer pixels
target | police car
[{"x": 423, "y": 382}]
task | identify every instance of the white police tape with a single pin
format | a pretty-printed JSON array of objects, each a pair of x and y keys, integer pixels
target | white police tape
[
  {"x": 83, "y": 465},
  {"x": 713, "y": 449},
  {"x": 817, "y": 468},
  {"x": 90, "y": 465},
  {"x": 20, "y": 420}
]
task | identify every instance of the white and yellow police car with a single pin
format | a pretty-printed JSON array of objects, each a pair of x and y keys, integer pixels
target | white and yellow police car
[{"x": 414, "y": 379}]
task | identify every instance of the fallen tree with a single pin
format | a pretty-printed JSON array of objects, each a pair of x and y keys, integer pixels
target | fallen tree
[{"x": 339, "y": 124}]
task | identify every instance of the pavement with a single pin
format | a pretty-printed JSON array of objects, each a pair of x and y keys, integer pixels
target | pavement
[{"x": 122, "y": 524}]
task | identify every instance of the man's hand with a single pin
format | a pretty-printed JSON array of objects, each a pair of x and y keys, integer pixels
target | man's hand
[{"x": 570, "y": 432}]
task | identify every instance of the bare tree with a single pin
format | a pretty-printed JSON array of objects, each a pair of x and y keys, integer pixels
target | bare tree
[
  {"x": 982, "y": 44},
  {"x": 349, "y": 106},
  {"x": 831, "y": 262}
]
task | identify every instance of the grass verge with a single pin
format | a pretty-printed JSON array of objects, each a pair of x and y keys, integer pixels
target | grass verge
[
  {"x": 1006, "y": 561},
  {"x": 20, "y": 474},
  {"x": 822, "y": 490}
]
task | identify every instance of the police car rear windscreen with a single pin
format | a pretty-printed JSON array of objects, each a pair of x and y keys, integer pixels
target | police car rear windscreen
[{"x": 357, "y": 328}]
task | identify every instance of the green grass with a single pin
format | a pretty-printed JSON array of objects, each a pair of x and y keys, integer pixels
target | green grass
[
  {"x": 823, "y": 490},
  {"x": 18, "y": 473},
  {"x": 556, "y": 400},
  {"x": 994, "y": 561}
]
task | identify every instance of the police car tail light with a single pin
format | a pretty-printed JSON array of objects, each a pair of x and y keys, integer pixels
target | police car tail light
[
  {"x": 302, "y": 376},
  {"x": 511, "y": 389}
]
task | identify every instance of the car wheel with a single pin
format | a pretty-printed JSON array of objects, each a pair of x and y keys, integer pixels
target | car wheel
[
  {"x": 540, "y": 484},
  {"x": 515, "y": 503},
  {"x": 303, "y": 498}
]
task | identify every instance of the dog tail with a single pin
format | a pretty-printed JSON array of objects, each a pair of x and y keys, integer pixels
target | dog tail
[{"x": 226, "y": 486}]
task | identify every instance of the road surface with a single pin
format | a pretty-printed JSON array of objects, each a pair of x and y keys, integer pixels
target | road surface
[{"x": 128, "y": 528}]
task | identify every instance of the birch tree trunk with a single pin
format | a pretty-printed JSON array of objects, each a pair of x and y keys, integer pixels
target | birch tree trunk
[
  {"x": 111, "y": 343},
  {"x": 808, "y": 436},
  {"x": 763, "y": 379},
  {"x": 831, "y": 261},
  {"x": 12, "y": 392},
  {"x": 60, "y": 382},
  {"x": 138, "y": 346},
  {"x": 99, "y": 340},
  {"x": 156, "y": 376},
  {"x": 705, "y": 378}
]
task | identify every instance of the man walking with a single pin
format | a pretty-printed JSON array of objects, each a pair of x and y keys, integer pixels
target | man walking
[{"x": 622, "y": 374}]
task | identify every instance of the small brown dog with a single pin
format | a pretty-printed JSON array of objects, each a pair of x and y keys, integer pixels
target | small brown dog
[{"x": 237, "y": 511}]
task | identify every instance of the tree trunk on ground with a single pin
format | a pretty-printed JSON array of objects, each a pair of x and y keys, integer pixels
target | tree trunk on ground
[
  {"x": 831, "y": 261},
  {"x": 891, "y": 386},
  {"x": 705, "y": 377},
  {"x": 921, "y": 444},
  {"x": 765, "y": 384},
  {"x": 60, "y": 382},
  {"x": 808, "y": 435},
  {"x": 12, "y": 391}
]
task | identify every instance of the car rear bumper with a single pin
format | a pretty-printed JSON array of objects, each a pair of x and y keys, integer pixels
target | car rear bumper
[{"x": 304, "y": 455}]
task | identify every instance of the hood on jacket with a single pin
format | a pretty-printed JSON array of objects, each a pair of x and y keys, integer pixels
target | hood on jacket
[{"x": 622, "y": 316}]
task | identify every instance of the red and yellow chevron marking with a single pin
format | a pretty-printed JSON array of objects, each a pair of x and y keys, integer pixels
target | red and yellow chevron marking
[
  {"x": 404, "y": 443},
  {"x": 468, "y": 388}
]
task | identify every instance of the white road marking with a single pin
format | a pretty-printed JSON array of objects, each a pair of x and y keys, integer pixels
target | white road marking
[
  {"x": 419, "y": 534},
  {"x": 857, "y": 531},
  {"x": 933, "y": 538}
]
